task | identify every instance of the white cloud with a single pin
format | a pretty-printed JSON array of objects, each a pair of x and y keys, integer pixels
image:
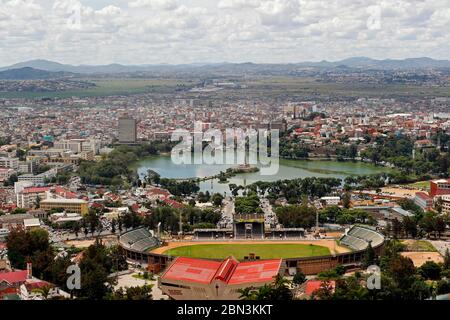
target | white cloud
[
  {"x": 278, "y": 12},
  {"x": 238, "y": 4},
  {"x": 180, "y": 31},
  {"x": 157, "y": 4}
]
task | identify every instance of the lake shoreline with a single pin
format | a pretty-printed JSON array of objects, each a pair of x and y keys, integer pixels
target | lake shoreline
[{"x": 207, "y": 175}]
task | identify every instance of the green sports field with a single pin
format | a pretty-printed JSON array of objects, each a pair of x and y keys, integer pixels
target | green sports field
[{"x": 265, "y": 251}]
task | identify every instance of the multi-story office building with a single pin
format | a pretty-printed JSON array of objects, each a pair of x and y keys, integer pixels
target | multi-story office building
[
  {"x": 20, "y": 185},
  {"x": 29, "y": 197},
  {"x": 439, "y": 187},
  {"x": 91, "y": 145},
  {"x": 74, "y": 145},
  {"x": 127, "y": 130},
  {"x": 26, "y": 166},
  {"x": 69, "y": 205},
  {"x": 445, "y": 204},
  {"x": 39, "y": 179},
  {"x": 87, "y": 155},
  {"x": 10, "y": 163}
]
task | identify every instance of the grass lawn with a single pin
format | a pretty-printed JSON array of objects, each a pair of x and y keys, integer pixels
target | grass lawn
[
  {"x": 109, "y": 87},
  {"x": 265, "y": 251},
  {"x": 420, "y": 185},
  {"x": 142, "y": 277},
  {"x": 419, "y": 245}
]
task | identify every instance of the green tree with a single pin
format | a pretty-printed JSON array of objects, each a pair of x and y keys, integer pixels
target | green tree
[
  {"x": 95, "y": 267},
  {"x": 153, "y": 177},
  {"x": 369, "y": 257},
  {"x": 325, "y": 291},
  {"x": 31, "y": 246},
  {"x": 133, "y": 293},
  {"x": 443, "y": 287},
  {"x": 402, "y": 271},
  {"x": 446, "y": 264},
  {"x": 295, "y": 216},
  {"x": 440, "y": 225},
  {"x": 299, "y": 278},
  {"x": 217, "y": 199},
  {"x": 430, "y": 270},
  {"x": 346, "y": 200},
  {"x": 249, "y": 204},
  {"x": 410, "y": 227},
  {"x": 278, "y": 290}
]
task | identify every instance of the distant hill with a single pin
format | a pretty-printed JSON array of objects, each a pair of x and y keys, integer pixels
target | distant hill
[
  {"x": 351, "y": 63},
  {"x": 38, "y": 64},
  {"x": 86, "y": 69},
  {"x": 28, "y": 73},
  {"x": 412, "y": 63}
]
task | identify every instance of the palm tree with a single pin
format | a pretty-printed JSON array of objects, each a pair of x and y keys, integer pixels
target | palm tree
[
  {"x": 278, "y": 290},
  {"x": 281, "y": 289},
  {"x": 264, "y": 293},
  {"x": 281, "y": 282},
  {"x": 247, "y": 293}
]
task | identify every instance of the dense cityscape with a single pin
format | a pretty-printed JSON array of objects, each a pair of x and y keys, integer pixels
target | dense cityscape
[
  {"x": 308, "y": 161},
  {"x": 73, "y": 176}
]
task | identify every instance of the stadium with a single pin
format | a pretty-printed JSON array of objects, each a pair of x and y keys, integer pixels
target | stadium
[{"x": 141, "y": 246}]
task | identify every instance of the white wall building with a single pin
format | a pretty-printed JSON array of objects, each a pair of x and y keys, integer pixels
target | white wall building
[
  {"x": 10, "y": 163},
  {"x": 331, "y": 201}
]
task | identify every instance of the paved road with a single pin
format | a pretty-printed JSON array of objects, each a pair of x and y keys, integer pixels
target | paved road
[
  {"x": 127, "y": 280},
  {"x": 81, "y": 236},
  {"x": 269, "y": 216},
  {"x": 441, "y": 246},
  {"x": 227, "y": 211},
  {"x": 228, "y": 208}
]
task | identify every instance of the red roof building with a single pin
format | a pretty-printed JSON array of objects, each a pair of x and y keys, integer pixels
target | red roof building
[
  {"x": 8, "y": 291},
  {"x": 8, "y": 207},
  {"x": 174, "y": 204},
  {"x": 439, "y": 187},
  {"x": 198, "y": 279},
  {"x": 157, "y": 193},
  {"x": 14, "y": 278},
  {"x": 63, "y": 192},
  {"x": 35, "y": 190}
]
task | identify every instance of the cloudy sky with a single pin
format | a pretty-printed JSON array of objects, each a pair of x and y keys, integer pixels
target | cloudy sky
[{"x": 190, "y": 31}]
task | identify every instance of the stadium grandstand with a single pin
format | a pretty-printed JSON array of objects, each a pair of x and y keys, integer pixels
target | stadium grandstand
[
  {"x": 142, "y": 247},
  {"x": 249, "y": 227},
  {"x": 138, "y": 241},
  {"x": 358, "y": 238}
]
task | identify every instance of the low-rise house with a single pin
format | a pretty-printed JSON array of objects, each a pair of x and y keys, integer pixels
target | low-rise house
[{"x": 331, "y": 201}]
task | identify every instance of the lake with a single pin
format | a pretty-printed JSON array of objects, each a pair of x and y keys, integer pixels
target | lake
[{"x": 288, "y": 169}]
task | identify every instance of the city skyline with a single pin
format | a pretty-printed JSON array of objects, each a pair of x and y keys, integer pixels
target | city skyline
[{"x": 269, "y": 151}]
